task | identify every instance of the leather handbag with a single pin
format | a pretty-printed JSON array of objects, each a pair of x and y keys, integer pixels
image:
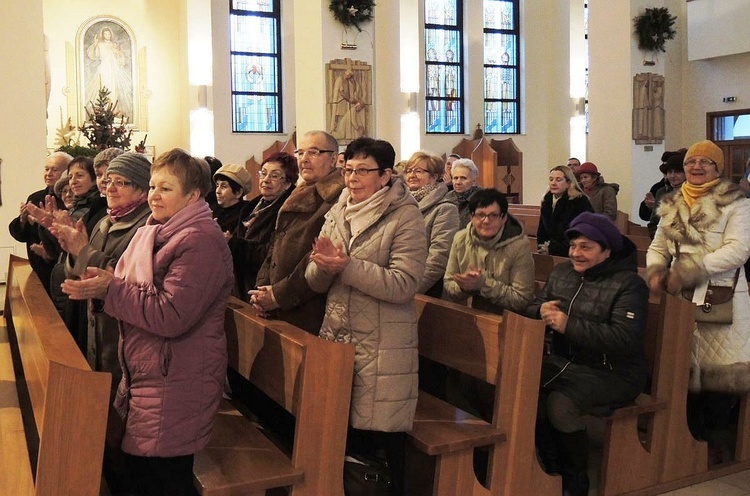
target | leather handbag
[
  {"x": 717, "y": 306},
  {"x": 366, "y": 476}
]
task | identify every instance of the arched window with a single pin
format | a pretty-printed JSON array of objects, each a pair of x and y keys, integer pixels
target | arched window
[{"x": 255, "y": 52}]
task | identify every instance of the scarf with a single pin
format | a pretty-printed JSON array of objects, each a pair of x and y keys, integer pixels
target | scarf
[
  {"x": 262, "y": 205},
  {"x": 360, "y": 215},
  {"x": 692, "y": 193},
  {"x": 423, "y": 191},
  {"x": 117, "y": 213}
]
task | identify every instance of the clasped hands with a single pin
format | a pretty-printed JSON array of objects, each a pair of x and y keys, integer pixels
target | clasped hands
[
  {"x": 471, "y": 280},
  {"x": 553, "y": 316},
  {"x": 329, "y": 258},
  {"x": 668, "y": 280},
  {"x": 93, "y": 284},
  {"x": 47, "y": 213}
]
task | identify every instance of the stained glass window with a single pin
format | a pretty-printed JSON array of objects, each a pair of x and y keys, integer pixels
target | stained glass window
[
  {"x": 501, "y": 67},
  {"x": 255, "y": 53},
  {"x": 444, "y": 76}
]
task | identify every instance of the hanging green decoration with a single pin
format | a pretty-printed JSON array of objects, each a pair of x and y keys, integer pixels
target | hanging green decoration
[
  {"x": 653, "y": 28},
  {"x": 352, "y": 12}
]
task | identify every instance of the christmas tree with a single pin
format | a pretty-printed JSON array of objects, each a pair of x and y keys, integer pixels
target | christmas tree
[{"x": 105, "y": 127}]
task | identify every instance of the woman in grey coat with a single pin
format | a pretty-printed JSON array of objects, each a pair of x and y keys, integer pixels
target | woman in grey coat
[{"x": 370, "y": 257}]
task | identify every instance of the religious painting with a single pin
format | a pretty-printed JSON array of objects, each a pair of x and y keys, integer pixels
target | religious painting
[
  {"x": 348, "y": 99},
  {"x": 648, "y": 108},
  {"x": 107, "y": 60}
]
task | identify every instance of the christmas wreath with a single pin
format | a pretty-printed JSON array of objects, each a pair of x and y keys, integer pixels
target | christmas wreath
[
  {"x": 653, "y": 28},
  {"x": 352, "y": 12}
]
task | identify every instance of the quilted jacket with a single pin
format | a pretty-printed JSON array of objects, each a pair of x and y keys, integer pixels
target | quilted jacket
[
  {"x": 371, "y": 304},
  {"x": 441, "y": 224},
  {"x": 714, "y": 240},
  {"x": 553, "y": 222},
  {"x": 507, "y": 265}
]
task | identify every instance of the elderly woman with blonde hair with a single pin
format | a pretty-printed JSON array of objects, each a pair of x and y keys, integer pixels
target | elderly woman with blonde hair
[{"x": 562, "y": 203}]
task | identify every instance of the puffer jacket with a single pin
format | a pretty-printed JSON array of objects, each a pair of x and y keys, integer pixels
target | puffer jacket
[
  {"x": 606, "y": 307},
  {"x": 299, "y": 221},
  {"x": 441, "y": 222},
  {"x": 553, "y": 222},
  {"x": 507, "y": 265},
  {"x": 173, "y": 347},
  {"x": 714, "y": 241},
  {"x": 371, "y": 304}
]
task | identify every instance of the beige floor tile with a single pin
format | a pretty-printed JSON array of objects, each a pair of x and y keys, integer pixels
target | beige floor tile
[
  {"x": 710, "y": 488},
  {"x": 741, "y": 480}
]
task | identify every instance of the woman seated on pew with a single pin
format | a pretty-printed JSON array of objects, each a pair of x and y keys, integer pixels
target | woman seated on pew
[
  {"x": 369, "y": 258},
  {"x": 562, "y": 203},
  {"x": 249, "y": 245},
  {"x": 595, "y": 305},
  {"x": 703, "y": 238},
  {"x": 169, "y": 291},
  {"x": 490, "y": 260}
]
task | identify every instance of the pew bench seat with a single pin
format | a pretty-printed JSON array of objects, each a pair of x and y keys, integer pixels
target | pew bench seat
[
  {"x": 643, "y": 404},
  {"x": 240, "y": 459},
  {"x": 440, "y": 428}
]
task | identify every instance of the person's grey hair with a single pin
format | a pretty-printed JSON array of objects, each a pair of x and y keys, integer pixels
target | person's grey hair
[
  {"x": 331, "y": 142},
  {"x": 60, "y": 157},
  {"x": 466, "y": 163}
]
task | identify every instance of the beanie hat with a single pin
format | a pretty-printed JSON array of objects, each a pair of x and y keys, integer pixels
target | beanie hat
[
  {"x": 132, "y": 166},
  {"x": 707, "y": 148},
  {"x": 598, "y": 228},
  {"x": 587, "y": 168},
  {"x": 238, "y": 174},
  {"x": 106, "y": 156},
  {"x": 60, "y": 184},
  {"x": 673, "y": 163}
]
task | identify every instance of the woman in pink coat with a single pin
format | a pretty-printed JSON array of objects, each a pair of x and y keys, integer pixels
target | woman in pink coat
[{"x": 169, "y": 292}]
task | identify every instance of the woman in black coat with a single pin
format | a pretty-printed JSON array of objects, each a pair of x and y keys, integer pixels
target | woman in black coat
[
  {"x": 563, "y": 202},
  {"x": 595, "y": 307},
  {"x": 250, "y": 241}
]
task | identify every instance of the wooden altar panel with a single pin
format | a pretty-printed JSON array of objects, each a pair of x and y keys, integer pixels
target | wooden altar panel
[{"x": 509, "y": 173}]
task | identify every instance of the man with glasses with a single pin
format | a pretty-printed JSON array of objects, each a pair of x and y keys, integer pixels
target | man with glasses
[
  {"x": 282, "y": 290},
  {"x": 25, "y": 230},
  {"x": 490, "y": 259}
]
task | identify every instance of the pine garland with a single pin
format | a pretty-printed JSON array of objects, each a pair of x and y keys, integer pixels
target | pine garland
[
  {"x": 654, "y": 28},
  {"x": 352, "y": 12}
]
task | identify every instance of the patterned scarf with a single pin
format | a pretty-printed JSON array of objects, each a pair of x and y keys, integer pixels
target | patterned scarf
[
  {"x": 423, "y": 191},
  {"x": 118, "y": 213},
  {"x": 692, "y": 193}
]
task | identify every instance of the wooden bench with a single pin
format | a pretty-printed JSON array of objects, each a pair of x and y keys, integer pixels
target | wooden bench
[
  {"x": 53, "y": 415},
  {"x": 504, "y": 351},
  {"x": 309, "y": 377}
]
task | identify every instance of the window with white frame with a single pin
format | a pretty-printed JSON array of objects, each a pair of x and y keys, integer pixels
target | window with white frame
[
  {"x": 502, "y": 72},
  {"x": 255, "y": 53}
]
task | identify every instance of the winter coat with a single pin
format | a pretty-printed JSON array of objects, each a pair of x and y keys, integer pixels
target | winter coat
[
  {"x": 299, "y": 221},
  {"x": 462, "y": 201},
  {"x": 644, "y": 212},
  {"x": 228, "y": 218},
  {"x": 106, "y": 246},
  {"x": 603, "y": 198},
  {"x": 554, "y": 222},
  {"x": 28, "y": 233},
  {"x": 714, "y": 240},
  {"x": 604, "y": 337},
  {"x": 507, "y": 265},
  {"x": 249, "y": 245},
  {"x": 173, "y": 348},
  {"x": 371, "y": 304},
  {"x": 441, "y": 224},
  {"x": 658, "y": 196}
]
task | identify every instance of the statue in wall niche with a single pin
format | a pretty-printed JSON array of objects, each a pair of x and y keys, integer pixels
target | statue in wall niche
[
  {"x": 349, "y": 99},
  {"x": 648, "y": 108}
]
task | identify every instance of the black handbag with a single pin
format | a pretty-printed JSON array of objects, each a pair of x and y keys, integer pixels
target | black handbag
[{"x": 366, "y": 475}]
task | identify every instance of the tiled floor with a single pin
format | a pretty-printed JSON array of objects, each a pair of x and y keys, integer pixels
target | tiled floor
[{"x": 731, "y": 485}]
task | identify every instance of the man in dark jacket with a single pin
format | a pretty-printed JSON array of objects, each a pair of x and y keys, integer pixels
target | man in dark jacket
[
  {"x": 26, "y": 231},
  {"x": 595, "y": 306}
]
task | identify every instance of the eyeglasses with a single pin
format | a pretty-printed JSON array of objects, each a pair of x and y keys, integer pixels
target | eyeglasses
[
  {"x": 703, "y": 162},
  {"x": 415, "y": 170},
  {"x": 482, "y": 217},
  {"x": 360, "y": 172},
  {"x": 273, "y": 176},
  {"x": 117, "y": 183},
  {"x": 311, "y": 152}
]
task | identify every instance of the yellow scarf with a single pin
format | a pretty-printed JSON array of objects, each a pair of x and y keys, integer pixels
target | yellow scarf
[{"x": 692, "y": 193}]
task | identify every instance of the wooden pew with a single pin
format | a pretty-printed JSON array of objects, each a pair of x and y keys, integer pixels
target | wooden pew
[
  {"x": 54, "y": 408},
  {"x": 309, "y": 377},
  {"x": 505, "y": 352}
]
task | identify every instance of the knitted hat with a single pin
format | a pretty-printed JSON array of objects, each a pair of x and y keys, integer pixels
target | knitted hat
[
  {"x": 598, "y": 228},
  {"x": 708, "y": 149},
  {"x": 60, "y": 184},
  {"x": 106, "y": 156},
  {"x": 238, "y": 174},
  {"x": 132, "y": 166},
  {"x": 587, "y": 168},
  {"x": 673, "y": 163}
]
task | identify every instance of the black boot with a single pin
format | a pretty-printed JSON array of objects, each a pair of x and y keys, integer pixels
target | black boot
[
  {"x": 574, "y": 458},
  {"x": 546, "y": 447}
]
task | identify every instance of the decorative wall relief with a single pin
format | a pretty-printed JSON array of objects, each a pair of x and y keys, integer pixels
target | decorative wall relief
[
  {"x": 348, "y": 99},
  {"x": 648, "y": 108}
]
